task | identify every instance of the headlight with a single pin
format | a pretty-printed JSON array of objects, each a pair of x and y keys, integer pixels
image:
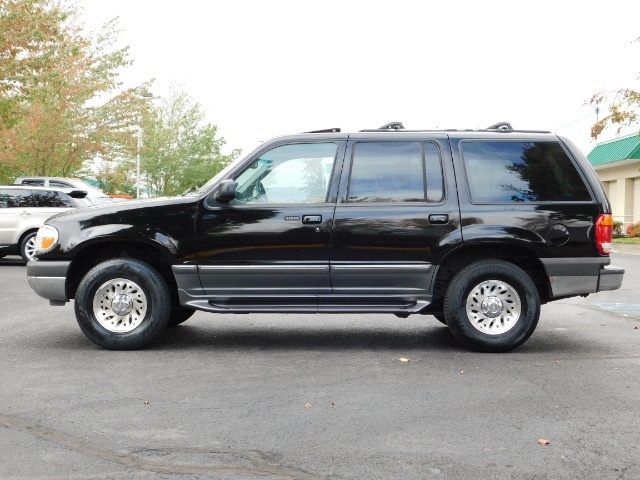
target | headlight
[{"x": 46, "y": 239}]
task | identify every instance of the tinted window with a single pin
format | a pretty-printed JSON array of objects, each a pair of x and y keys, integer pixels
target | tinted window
[
  {"x": 52, "y": 199},
  {"x": 15, "y": 198},
  {"x": 33, "y": 182},
  {"x": 58, "y": 183},
  {"x": 396, "y": 172},
  {"x": 521, "y": 172},
  {"x": 297, "y": 173}
]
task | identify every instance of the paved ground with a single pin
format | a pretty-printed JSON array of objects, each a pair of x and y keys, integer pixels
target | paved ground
[
  {"x": 321, "y": 397},
  {"x": 626, "y": 249}
]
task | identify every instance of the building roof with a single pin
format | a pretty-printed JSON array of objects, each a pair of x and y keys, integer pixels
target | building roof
[{"x": 623, "y": 148}]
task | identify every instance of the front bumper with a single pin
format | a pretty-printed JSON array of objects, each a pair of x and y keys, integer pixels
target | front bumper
[
  {"x": 579, "y": 276},
  {"x": 49, "y": 279}
]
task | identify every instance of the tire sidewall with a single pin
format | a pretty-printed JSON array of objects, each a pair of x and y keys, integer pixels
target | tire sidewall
[
  {"x": 456, "y": 300},
  {"x": 155, "y": 288}
]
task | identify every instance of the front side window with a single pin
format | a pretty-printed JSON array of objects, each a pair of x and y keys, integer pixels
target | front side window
[
  {"x": 513, "y": 172},
  {"x": 298, "y": 173},
  {"x": 15, "y": 198},
  {"x": 396, "y": 172}
]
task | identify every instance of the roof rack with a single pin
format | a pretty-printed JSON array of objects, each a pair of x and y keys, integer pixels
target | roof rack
[
  {"x": 500, "y": 126},
  {"x": 325, "y": 130},
  {"x": 496, "y": 127}
]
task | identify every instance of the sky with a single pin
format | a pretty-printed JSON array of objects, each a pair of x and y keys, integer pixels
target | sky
[{"x": 266, "y": 68}]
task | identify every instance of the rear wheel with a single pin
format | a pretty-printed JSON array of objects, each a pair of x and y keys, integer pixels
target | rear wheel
[
  {"x": 492, "y": 306},
  {"x": 122, "y": 304}
]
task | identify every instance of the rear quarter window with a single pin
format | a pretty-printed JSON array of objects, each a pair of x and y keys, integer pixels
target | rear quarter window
[{"x": 515, "y": 172}]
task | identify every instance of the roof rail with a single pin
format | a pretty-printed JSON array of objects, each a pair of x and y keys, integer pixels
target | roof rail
[{"x": 325, "y": 130}]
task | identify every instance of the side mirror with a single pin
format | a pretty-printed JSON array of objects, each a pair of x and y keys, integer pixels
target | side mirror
[{"x": 226, "y": 191}]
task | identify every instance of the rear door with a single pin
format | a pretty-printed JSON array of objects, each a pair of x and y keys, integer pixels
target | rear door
[{"x": 397, "y": 216}]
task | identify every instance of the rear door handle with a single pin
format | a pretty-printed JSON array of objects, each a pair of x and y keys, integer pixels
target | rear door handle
[
  {"x": 307, "y": 219},
  {"x": 439, "y": 219}
]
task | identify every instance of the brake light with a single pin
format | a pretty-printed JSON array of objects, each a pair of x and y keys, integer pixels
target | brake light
[{"x": 604, "y": 232}]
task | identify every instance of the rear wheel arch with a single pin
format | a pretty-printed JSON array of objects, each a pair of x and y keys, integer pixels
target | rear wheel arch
[{"x": 459, "y": 258}]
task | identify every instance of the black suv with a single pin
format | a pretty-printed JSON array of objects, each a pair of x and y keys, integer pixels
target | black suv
[{"x": 475, "y": 227}]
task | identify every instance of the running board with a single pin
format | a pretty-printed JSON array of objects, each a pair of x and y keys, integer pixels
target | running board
[{"x": 301, "y": 305}]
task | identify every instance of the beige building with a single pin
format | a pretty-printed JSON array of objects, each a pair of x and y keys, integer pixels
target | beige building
[{"x": 617, "y": 163}]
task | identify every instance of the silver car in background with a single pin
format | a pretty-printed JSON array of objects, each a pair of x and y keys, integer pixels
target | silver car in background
[{"x": 24, "y": 209}]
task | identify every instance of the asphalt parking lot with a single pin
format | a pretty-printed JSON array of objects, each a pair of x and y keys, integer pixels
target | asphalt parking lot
[{"x": 320, "y": 396}]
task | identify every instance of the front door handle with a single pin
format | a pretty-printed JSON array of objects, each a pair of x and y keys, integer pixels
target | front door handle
[{"x": 311, "y": 219}]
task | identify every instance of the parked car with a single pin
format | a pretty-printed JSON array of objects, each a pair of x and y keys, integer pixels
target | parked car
[
  {"x": 478, "y": 228},
  {"x": 23, "y": 210},
  {"x": 94, "y": 195}
]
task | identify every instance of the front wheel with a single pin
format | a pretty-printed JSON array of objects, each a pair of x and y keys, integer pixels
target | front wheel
[
  {"x": 28, "y": 247},
  {"x": 492, "y": 306},
  {"x": 122, "y": 304}
]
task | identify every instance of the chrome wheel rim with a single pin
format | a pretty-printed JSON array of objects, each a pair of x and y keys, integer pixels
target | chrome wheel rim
[
  {"x": 30, "y": 248},
  {"x": 493, "y": 307},
  {"x": 120, "y": 305}
]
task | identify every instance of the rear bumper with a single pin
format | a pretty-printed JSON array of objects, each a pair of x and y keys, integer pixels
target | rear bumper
[
  {"x": 578, "y": 276},
  {"x": 49, "y": 279}
]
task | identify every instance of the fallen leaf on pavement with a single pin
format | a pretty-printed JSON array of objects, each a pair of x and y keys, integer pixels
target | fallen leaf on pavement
[
  {"x": 542, "y": 441},
  {"x": 405, "y": 360}
]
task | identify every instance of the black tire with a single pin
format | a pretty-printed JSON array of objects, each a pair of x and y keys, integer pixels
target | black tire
[
  {"x": 179, "y": 315},
  {"x": 518, "y": 304},
  {"x": 26, "y": 247},
  {"x": 123, "y": 284}
]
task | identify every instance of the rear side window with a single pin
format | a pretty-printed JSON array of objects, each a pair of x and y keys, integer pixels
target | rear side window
[
  {"x": 53, "y": 199},
  {"x": 392, "y": 172},
  {"x": 513, "y": 172},
  {"x": 16, "y": 198}
]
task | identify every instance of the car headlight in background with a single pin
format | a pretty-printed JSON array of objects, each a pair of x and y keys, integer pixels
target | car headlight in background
[{"x": 46, "y": 239}]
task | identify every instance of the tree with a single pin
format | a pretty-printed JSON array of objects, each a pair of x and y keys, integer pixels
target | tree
[
  {"x": 180, "y": 150},
  {"x": 50, "y": 74},
  {"x": 622, "y": 110}
]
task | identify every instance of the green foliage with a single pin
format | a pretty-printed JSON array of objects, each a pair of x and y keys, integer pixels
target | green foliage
[
  {"x": 633, "y": 230},
  {"x": 622, "y": 109},
  {"x": 180, "y": 150},
  {"x": 51, "y": 72},
  {"x": 617, "y": 229}
]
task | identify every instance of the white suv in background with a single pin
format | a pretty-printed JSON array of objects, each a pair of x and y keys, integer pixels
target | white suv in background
[
  {"x": 23, "y": 210},
  {"x": 94, "y": 195}
]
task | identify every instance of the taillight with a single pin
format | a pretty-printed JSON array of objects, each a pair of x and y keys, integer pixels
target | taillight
[{"x": 604, "y": 231}]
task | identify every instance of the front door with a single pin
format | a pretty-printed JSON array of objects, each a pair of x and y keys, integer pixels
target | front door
[{"x": 269, "y": 247}]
